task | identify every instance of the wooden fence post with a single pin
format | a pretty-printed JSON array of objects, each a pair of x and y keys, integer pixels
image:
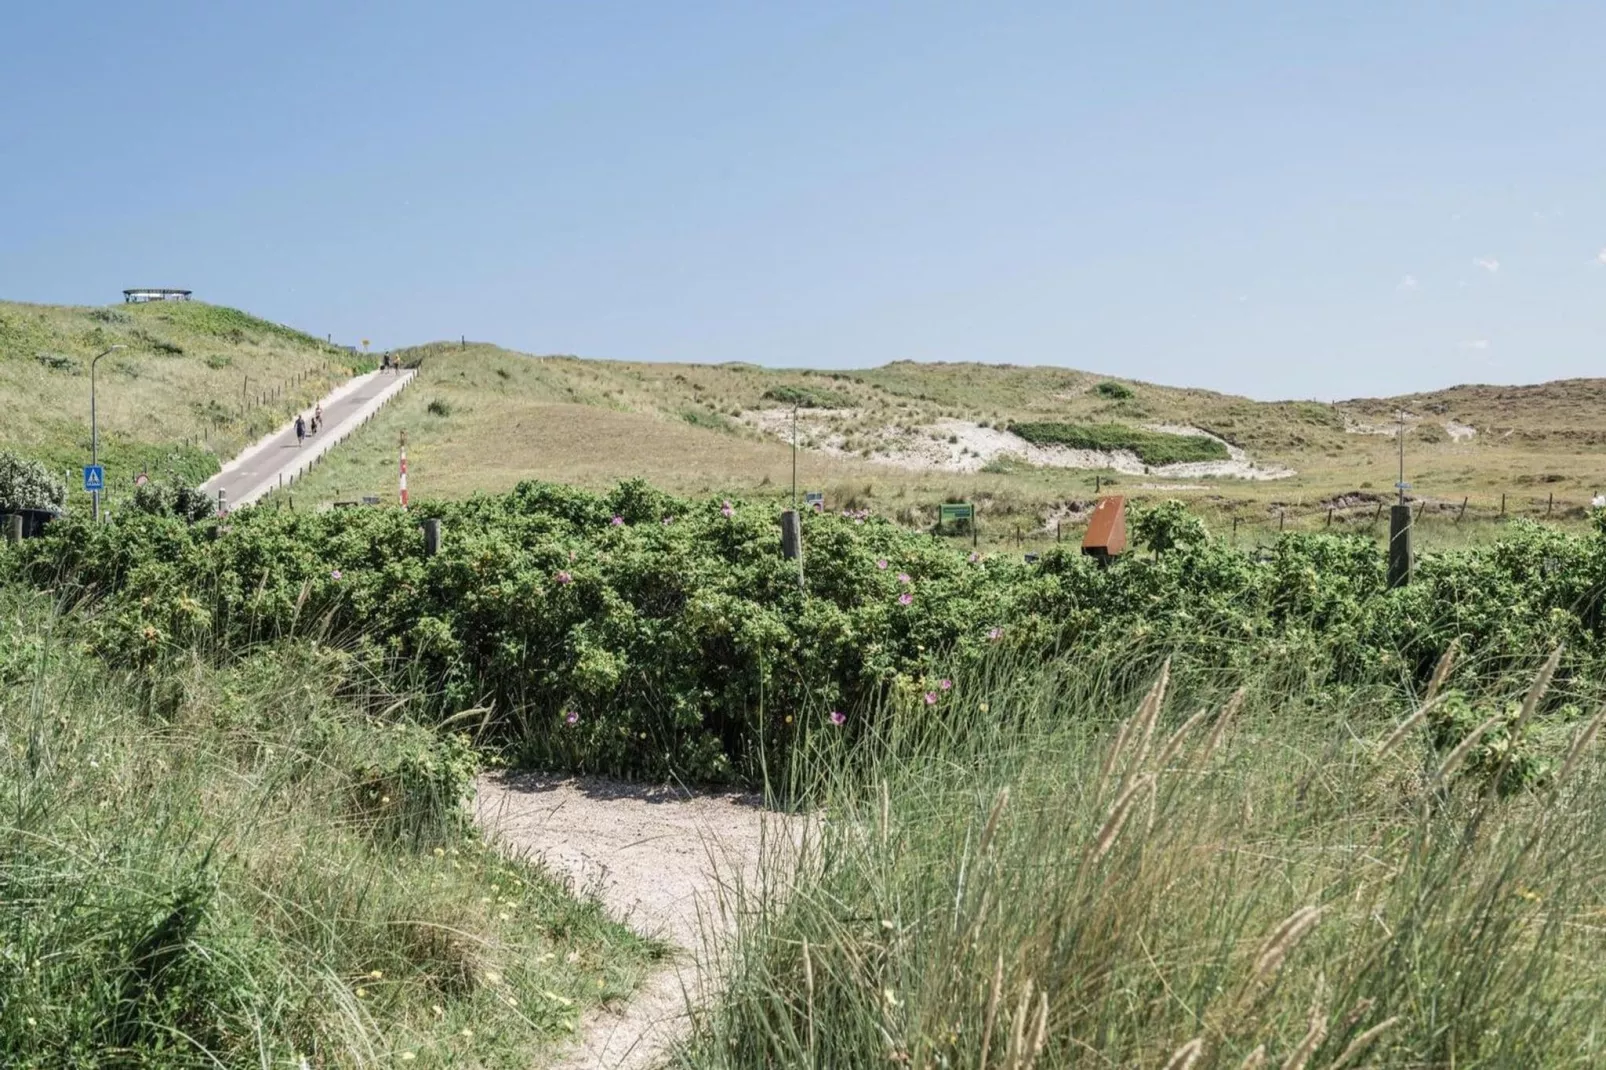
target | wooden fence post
[
  {"x": 1550, "y": 503},
  {"x": 1399, "y": 573},
  {"x": 1463, "y": 511},
  {"x": 1502, "y": 505}
]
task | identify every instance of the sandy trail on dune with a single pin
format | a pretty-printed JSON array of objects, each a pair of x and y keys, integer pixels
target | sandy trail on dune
[{"x": 663, "y": 860}]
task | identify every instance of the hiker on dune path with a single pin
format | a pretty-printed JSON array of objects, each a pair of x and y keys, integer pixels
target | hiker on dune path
[{"x": 301, "y": 430}]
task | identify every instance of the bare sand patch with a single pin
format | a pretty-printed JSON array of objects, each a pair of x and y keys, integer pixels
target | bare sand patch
[
  {"x": 950, "y": 445},
  {"x": 663, "y": 860}
]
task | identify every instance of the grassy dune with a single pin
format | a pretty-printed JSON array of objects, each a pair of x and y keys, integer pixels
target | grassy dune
[
  {"x": 182, "y": 395},
  {"x": 483, "y": 418},
  {"x": 1061, "y": 880},
  {"x": 491, "y": 416}
]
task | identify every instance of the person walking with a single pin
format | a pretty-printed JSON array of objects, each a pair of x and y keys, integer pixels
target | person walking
[
  {"x": 317, "y": 418},
  {"x": 301, "y": 430}
]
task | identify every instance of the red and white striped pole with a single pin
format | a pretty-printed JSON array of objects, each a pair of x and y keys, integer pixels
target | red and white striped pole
[{"x": 404, "y": 469}]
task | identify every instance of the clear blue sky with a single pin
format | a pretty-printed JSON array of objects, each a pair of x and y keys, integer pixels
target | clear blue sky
[{"x": 1279, "y": 199}]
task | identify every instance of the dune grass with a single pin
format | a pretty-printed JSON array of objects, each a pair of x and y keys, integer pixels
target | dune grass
[
  {"x": 1043, "y": 871},
  {"x": 258, "y": 864},
  {"x": 192, "y": 384}
]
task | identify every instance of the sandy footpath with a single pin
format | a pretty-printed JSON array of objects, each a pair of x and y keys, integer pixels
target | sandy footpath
[{"x": 663, "y": 861}]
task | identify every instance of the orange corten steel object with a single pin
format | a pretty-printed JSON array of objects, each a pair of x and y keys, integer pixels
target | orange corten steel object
[{"x": 1106, "y": 531}]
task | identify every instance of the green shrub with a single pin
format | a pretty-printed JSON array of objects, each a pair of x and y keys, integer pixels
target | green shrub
[
  {"x": 156, "y": 498},
  {"x": 158, "y": 345},
  {"x": 1113, "y": 390},
  {"x": 680, "y": 642},
  {"x": 809, "y": 397},
  {"x": 440, "y": 407},
  {"x": 28, "y": 484},
  {"x": 1168, "y": 526},
  {"x": 1151, "y": 447},
  {"x": 707, "y": 419}
]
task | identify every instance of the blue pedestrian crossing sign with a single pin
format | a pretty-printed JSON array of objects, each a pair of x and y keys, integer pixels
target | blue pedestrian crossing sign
[{"x": 94, "y": 477}]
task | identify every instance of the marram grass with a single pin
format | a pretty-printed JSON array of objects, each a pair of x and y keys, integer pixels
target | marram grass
[
  {"x": 1043, "y": 871},
  {"x": 266, "y": 866}
]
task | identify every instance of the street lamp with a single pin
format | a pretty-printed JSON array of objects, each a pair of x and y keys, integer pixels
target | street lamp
[{"x": 94, "y": 427}]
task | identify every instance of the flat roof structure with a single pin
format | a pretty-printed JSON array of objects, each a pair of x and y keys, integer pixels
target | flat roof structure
[{"x": 140, "y": 296}]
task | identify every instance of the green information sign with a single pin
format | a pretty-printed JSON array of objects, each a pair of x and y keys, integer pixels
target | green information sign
[{"x": 947, "y": 512}]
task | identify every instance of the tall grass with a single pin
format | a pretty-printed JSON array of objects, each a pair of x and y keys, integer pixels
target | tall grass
[
  {"x": 1042, "y": 870},
  {"x": 247, "y": 867}
]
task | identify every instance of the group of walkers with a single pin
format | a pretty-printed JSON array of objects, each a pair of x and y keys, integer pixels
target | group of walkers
[
  {"x": 387, "y": 363},
  {"x": 301, "y": 424}
]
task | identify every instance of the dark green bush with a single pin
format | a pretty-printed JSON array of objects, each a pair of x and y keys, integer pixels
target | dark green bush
[
  {"x": 640, "y": 634},
  {"x": 809, "y": 397},
  {"x": 165, "y": 499},
  {"x": 1151, "y": 447},
  {"x": 1113, "y": 390},
  {"x": 28, "y": 484},
  {"x": 440, "y": 407}
]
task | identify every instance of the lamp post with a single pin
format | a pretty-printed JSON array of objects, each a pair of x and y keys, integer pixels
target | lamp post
[{"x": 94, "y": 426}]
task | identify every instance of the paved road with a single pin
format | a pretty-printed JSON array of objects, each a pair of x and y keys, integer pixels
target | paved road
[{"x": 258, "y": 469}]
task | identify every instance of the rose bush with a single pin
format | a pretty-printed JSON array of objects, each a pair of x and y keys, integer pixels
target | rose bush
[{"x": 687, "y": 648}]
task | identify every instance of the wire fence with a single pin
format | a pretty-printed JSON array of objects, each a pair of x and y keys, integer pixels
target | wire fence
[{"x": 1250, "y": 520}]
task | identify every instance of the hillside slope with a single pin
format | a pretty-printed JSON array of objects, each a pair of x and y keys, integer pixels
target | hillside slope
[
  {"x": 194, "y": 383},
  {"x": 908, "y": 436},
  {"x": 1028, "y": 444}
]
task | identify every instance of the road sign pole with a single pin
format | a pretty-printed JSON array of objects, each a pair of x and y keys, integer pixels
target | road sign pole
[
  {"x": 403, "y": 469},
  {"x": 94, "y": 426}
]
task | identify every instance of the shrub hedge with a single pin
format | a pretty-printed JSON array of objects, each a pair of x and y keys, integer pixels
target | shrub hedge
[{"x": 634, "y": 633}]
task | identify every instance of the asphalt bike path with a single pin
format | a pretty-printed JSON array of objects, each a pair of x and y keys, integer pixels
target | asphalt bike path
[{"x": 277, "y": 459}]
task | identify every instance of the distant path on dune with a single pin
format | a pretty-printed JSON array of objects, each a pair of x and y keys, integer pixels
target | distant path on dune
[{"x": 277, "y": 460}]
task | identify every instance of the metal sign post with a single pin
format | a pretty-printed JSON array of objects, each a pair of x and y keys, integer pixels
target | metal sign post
[
  {"x": 403, "y": 475},
  {"x": 94, "y": 483}
]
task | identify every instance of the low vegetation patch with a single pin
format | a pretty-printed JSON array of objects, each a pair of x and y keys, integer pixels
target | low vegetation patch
[
  {"x": 1151, "y": 447},
  {"x": 1113, "y": 390},
  {"x": 262, "y": 864},
  {"x": 809, "y": 397}
]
